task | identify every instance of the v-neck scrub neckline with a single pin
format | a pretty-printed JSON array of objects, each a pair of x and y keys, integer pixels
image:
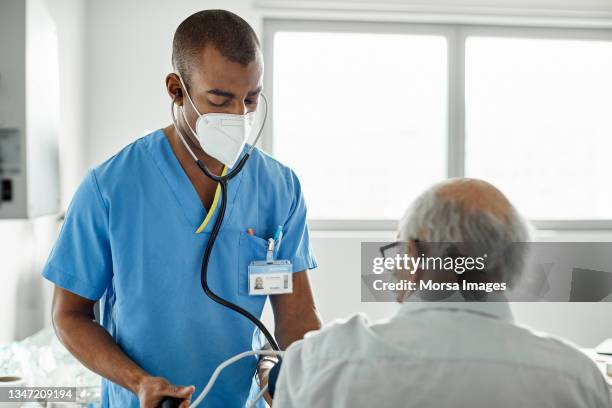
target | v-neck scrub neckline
[{"x": 178, "y": 180}]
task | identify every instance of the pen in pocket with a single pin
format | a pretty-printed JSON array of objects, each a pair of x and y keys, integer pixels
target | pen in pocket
[{"x": 278, "y": 237}]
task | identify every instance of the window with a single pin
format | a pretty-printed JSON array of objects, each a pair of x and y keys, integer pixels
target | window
[
  {"x": 369, "y": 115},
  {"x": 539, "y": 123},
  {"x": 344, "y": 99}
]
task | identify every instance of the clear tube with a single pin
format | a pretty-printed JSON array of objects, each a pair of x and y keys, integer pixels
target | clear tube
[{"x": 226, "y": 363}]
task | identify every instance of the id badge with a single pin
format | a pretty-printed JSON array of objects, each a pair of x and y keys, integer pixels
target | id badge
[{"x": 270, "y": 277}]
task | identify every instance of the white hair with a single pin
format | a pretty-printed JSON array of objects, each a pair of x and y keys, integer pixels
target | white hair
[{"x": 444, "y": 222}]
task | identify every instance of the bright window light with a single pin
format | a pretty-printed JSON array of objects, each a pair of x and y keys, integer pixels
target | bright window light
[
  {"x": 361, "y": 118},
  {"x": 539, "y": 123}
]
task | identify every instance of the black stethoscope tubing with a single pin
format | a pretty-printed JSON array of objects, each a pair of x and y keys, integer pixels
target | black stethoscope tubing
[{"x": 223, "y": 182}]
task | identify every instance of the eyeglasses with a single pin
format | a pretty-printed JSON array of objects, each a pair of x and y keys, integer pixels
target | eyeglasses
[
  {"x": 396, "y": 248},
  {"x": 392, "y": 249}
]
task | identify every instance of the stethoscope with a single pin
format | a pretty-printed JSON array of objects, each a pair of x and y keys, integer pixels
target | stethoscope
[{"x": 223, "y": 180}]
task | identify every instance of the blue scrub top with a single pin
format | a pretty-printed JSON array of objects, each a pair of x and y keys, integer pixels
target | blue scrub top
[{"x": 134, "y": 237}]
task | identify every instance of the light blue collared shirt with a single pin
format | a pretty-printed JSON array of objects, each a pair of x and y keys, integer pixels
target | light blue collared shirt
[{"x": 438, "y": 354}]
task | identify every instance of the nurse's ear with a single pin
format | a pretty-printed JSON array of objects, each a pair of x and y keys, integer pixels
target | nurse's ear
[{"x": 174, "y": 88}]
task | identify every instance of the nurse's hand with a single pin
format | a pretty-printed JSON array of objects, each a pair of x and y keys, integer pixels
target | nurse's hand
[
  {"x": 263, "y": 370},
  {"x": 152, "y": 390}
]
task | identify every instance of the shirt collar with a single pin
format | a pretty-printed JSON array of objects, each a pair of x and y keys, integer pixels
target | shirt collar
[{"x": 496, "y": 306}]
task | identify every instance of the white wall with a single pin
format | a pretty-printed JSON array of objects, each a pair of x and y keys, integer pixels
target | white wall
[
  {"x": 25, "y": 244},
  {"x": 564, "y": 13},
  {"x": 70, "y": 19},
  {"x": 582, "y": 5},
  {"x": 129, "y": 50}
]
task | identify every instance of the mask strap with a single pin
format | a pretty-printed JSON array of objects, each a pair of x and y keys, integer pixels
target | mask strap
[
  {"x": 187, "y": 122},
  {"x": 188, "y": 97},
  {"x": 181, "y": 133},
  {"x": 263, "y": 124},
  {"x": 193, "y": 132}
]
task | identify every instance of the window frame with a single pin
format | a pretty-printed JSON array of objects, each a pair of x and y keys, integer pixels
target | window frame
[{"x": 456, "y": 35}]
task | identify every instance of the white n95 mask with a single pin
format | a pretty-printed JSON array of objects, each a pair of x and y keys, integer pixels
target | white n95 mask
[{"x": 221, "y": 135}]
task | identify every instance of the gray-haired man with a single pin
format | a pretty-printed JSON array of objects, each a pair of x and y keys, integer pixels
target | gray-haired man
[{"x": 445, "y": 354}]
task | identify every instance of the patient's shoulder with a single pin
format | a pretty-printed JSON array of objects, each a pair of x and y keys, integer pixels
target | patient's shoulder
[
  {"x": 557, "y": 346},
  {"x": 340, "y": 339},
  {"x": 340, "y": 327},
  {"x": 559, "y": 355}
]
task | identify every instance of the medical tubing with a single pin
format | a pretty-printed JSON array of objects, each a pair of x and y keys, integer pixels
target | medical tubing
[
  {"x": 211, "y": 242},
  {"x": 230, "y": 361},
  {"x": 258, "y": 396}
]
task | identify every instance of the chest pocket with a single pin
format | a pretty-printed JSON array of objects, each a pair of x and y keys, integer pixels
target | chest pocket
[{"x": 251, "y": 248}]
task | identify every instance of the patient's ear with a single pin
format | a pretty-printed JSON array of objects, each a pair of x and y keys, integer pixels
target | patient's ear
[
  {"x": 412, "y": 248},
  {"x": 416, "y": 248}
]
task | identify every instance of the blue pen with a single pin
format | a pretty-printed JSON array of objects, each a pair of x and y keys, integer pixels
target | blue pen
[{"x": 278, "y": 237}]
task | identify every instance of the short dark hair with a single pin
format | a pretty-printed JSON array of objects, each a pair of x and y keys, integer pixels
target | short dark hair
[{"x": 229, "y": 33}]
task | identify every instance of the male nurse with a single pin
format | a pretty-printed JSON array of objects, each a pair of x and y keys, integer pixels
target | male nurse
[{"x": 135, "y": 233}]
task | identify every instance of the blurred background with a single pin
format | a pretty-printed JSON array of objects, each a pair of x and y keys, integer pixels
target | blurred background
[{"x": 372, "y": 101}]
